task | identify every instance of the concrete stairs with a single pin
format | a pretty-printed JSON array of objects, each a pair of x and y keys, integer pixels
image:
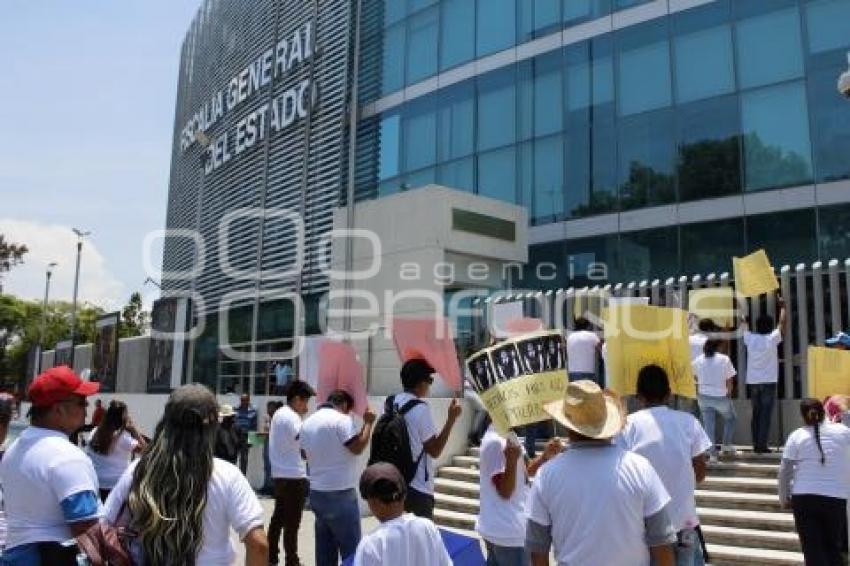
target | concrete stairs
[{"x": 737, "y": 504}]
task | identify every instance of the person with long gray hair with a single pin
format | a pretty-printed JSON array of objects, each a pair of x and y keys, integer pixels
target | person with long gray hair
[{"x": 181, "y": 500}]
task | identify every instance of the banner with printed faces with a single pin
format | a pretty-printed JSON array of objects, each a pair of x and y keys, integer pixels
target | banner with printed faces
[
  {"x": 105, "y": 355},
  {"x": 517, "y": 377}
]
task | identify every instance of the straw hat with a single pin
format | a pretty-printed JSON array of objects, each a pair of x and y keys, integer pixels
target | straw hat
[
  {"x": 225, "y": 411},
  {"x": 588, "y": 410}
]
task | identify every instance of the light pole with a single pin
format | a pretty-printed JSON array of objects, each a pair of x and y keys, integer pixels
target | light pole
[
  {"x": 43, "y": 329},
  {"x": 80, "y": 235}
]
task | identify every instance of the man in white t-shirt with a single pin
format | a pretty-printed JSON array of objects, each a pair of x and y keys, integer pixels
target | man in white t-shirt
[
  {"x": 288, "y": 473},
  {"x": 503, "y": 494},
  {"x": 49, "y": 485},
  {"x": 582, "y": 347},
  {"x": 425, "y": 442},
  {"x": 595, "y": 502},
  {"x": 331, "y": 442},
  {"x": 763, "y": 373},
  {"x": 402, "y": 539},
  {"x": 676, "y": 445}
]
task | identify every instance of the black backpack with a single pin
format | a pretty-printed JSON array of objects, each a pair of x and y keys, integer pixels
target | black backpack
[{"x": 391, "y": 442}]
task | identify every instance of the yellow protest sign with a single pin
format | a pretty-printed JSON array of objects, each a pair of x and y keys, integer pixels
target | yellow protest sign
[
  {"x": 754, "y": 275},
  {"x": 716, "y": 303},
  {"x": 829, "y": 372},
  {"x": 640, "y": 335},
  {"x": 520, "y": 401},
  {"x": 516, "y": 377}
]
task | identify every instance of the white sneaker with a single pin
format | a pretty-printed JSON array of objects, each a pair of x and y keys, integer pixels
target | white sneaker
[{"x": 727, "y": 450}]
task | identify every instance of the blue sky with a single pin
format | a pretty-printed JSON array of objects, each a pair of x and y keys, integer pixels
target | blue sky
[{"x": 87, "y": 95}]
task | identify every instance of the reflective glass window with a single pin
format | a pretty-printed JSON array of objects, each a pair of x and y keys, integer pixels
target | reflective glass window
[
  {"x": 703, "y": 63},
  {"x": 389, "y": 146},
  {"x": 827, "y": 23},
  {"x": 830, "y": 116},
  {"x": 649, "y": 254},
  {"x": 456, "y": 115},
  {"x": 593, "y": 261},
  {"x": 777, "y": 152},
  {"x": 548, "y": 178},
  {"x": 708, "y": 138},
  {"x": 575, "y": 11},
  {"x": 416, "y": 5},
  {"x": 457, "y": 43},
  {"x": 497, "y": 174},
  {"x": 646, "y": 160},
  {"x": 589, "y": 76},
  {"x": 622, "y": 4},
  {"x": 496, "y": 26},
  {"x": 525, "y": 176},
  {"x": 417, "y": 179},
  {"x": 547, "y": 16},
  {"x": 525, "y": 99},
  {"x": 643, "y": 68},
  {"x": 546, "y": 268},
  {"x": 768, "y": 48},
  {"x": 393, "y": 59},
  {"x": 458, "y": 174},
  {"x": 548, "y": 96},
  {"x": 421, "y": 41},
  {"x": 707, "y": 246},
  {"x": 787, "y": 237},
  {"x": 420, "y": 135},
  {"x": 496, "y": 109},
  {"x": 834, "y": 223},
  {"x": 394, "y": 11},
  {"x": 603, "y": 195},
  {"x": 577, "y": 156}
]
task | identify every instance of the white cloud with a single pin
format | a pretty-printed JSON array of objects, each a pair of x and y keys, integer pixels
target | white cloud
[{"x": 52, "y": 242}]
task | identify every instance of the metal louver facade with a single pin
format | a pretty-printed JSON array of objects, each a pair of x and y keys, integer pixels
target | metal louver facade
[{"x": 295, "y": 170}]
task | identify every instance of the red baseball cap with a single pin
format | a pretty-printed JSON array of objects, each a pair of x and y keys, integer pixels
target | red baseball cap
[{"x": 58, "y": 384}]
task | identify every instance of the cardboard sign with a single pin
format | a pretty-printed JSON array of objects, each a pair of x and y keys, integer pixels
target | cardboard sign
[
  {"x": 641, "y": 335},
  {"x": 501, "y": 316},
  {"x": 517, "y": 377},
  {"x": 754, "y": 275},
  {"x": 430, "y": 339},
  {"x": 715, "y": 303},
  {"x": 829, "y": 372}
]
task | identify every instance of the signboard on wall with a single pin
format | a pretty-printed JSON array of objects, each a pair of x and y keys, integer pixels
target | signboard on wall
[
  {"x": 63, "y": 354},
  {"x": 166, "y": 357},
  {"x": 105, "y": 355}
]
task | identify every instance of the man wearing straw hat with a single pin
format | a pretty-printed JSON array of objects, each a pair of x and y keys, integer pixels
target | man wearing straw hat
[{"x": 595, "y": 502}]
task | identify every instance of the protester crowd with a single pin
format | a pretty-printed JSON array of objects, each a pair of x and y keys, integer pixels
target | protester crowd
[{"x": 614, "y": 489}]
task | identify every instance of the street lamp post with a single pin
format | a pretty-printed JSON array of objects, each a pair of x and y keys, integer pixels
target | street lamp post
[
  {"x": 80, "y": 235},
  {"x": 43, "y": 329}
]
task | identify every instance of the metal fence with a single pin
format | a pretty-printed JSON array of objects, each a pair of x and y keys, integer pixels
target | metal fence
[{"x": 816, "y": 298}]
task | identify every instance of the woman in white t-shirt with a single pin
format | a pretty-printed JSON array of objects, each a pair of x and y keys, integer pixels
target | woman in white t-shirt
[
  {"x": 714, "y": 374},
  {"x": 814, "y": 480},
  {"x": 112, "y": 446},
  {"x": 181, "y": 500}
]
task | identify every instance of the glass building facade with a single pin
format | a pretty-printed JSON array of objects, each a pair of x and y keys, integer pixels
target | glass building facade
[{"x": 661, "y": 126}]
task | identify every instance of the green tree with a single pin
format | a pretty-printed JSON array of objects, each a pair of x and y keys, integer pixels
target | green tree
[
  {"x": 20, "y": 331},
  {"x": 11, "y": 254},
  {"x": 134, "y": 319}
]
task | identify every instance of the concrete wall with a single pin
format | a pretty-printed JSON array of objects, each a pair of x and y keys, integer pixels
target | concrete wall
[
  {"x": 132, "y": 363},
  {"x": 415, "y": 229}
]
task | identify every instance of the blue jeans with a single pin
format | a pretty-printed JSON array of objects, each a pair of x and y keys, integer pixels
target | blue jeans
[
  {"x": 268, "y": 486},
  {"x": 762, "y": 398},
  {"x": 506, "y": 555},
  {"x": 337, "y": 525},
  {"x": 710, "y": 407},
  {"x": 688, "y": 551}
]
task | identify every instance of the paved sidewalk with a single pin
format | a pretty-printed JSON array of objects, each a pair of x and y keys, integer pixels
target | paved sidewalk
[{"x": 306, "y": 541}]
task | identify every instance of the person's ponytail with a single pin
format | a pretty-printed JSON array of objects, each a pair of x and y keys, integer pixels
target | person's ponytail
[{"x": 813, "y": 415}]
